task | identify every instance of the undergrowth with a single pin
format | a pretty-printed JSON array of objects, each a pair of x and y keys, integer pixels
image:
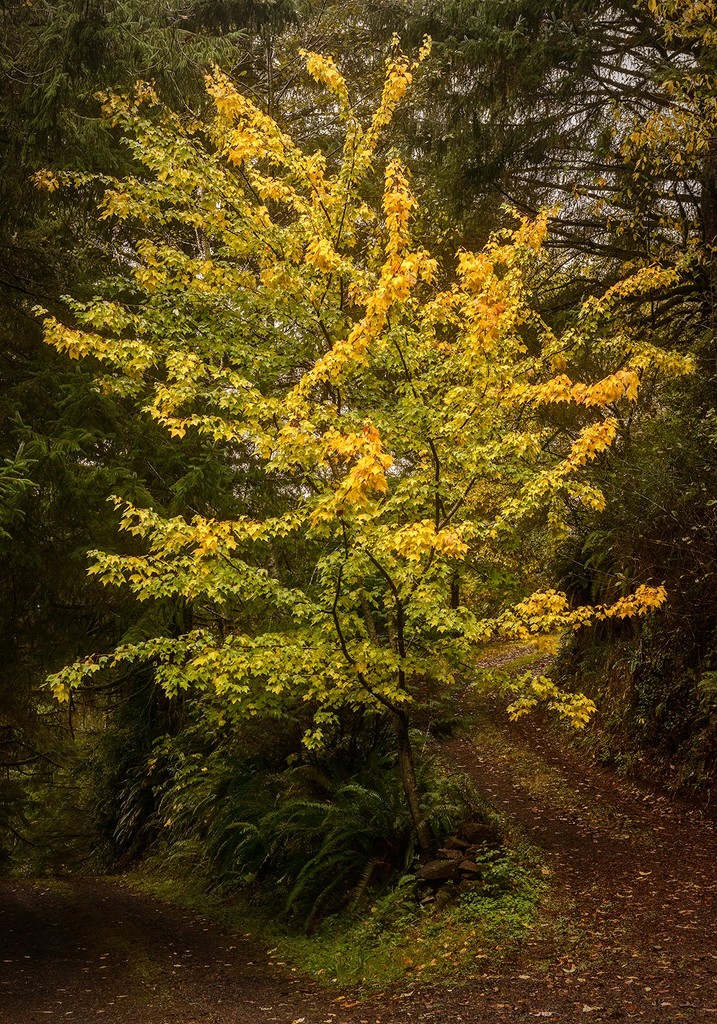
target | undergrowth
[
  {"x": 390, "y": 940},
  {"x": 314, "y": 836}
]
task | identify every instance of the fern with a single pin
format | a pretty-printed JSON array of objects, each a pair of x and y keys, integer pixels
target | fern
[{"x": 315, "y": 837}]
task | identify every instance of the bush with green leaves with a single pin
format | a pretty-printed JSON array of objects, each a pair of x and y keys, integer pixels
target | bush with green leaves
[{"x": 317, "y": 833}]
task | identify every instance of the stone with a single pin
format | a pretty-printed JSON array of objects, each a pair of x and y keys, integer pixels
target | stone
[
  {"x": 454, "y": 843},
  {"x": 469, "y": 867},
  {"x": 478, "y": 832},
  {"x": 446, "y": 853},
  {"x": 467, "y": 885},
  {"x": 438, "y": 871},
  {"x": 446, "y": 895}
]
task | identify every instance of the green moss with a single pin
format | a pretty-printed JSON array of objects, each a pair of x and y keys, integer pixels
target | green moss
[{"x": 399, "y": 938}]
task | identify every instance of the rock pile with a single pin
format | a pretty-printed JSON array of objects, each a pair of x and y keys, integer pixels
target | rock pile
[{"x": 456, "y": 864}]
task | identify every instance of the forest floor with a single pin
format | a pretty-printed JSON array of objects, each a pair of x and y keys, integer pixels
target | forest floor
[{"x": 629, "y": 931}]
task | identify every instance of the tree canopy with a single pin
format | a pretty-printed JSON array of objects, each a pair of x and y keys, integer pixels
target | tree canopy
[{"x": 398, "y": 415}]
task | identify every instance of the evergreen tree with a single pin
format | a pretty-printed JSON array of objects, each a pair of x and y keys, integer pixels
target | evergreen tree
[{"x": 65, "y": 447}]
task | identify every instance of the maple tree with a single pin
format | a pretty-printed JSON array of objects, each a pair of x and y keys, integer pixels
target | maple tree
[{"x": 400, "y": 414}]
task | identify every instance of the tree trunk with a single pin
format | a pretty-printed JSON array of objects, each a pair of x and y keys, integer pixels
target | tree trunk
[
  {"x": 709, "y": 230},
  {"x": 410, "y": 784}
]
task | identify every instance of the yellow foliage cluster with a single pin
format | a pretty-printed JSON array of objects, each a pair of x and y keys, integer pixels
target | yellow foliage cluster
[
  {"x": 323, "y": 69},
  {"x": 623, "y": 383},
  {"x": 401, "y": 425},
  {"x": 417, "y": 540},
  {"x": 575, "y": 708},
  {"x": 593, "y": 439}
]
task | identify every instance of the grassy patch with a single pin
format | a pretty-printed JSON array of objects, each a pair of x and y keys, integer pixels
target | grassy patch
[
  {"x": 389, "y": 941},
  {"x": 399, "y": 938}
]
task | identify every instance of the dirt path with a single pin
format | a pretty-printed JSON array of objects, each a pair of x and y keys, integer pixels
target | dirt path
[
  {"x": 630, "y": 933},
  {"x": 86, "y": 950}
]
